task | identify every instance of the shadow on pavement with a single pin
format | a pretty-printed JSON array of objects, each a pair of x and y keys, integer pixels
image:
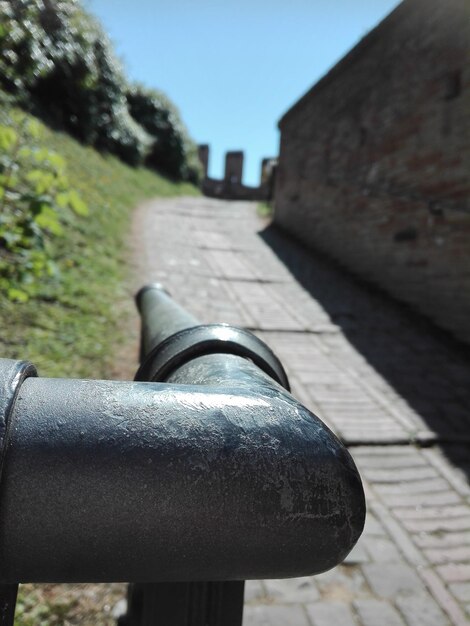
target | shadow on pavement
[{"x": 423, "y": 364}]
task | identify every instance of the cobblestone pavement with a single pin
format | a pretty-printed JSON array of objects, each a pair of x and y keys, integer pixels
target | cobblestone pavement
[{"x": 391, "y": 386}]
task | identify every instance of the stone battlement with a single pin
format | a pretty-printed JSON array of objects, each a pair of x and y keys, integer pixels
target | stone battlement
[{"x": 231, "y": 187}]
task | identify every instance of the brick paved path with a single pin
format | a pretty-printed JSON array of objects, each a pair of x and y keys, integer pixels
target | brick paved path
[{"x": 392, "y": 387}]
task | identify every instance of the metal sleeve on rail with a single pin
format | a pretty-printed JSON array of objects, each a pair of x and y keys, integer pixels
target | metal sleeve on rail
[{"x": 198, "y": 341}]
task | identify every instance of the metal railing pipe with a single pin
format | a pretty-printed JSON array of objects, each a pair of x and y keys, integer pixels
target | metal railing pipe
[
  {"x": 209, "y": 474},
  {"x": 116, "y": 481},
  {"x": 161, "y": 316}
]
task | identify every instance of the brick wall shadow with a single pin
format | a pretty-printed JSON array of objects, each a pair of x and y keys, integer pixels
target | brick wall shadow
[{"x": 425, "y": 365}]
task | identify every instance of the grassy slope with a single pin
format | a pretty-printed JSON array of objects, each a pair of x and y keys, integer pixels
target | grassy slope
[
  {"x": 72, "y": 332},
  {"x": 75, "y": 330}
]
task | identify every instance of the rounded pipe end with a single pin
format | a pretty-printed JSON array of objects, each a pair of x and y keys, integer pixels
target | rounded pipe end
[{"x": 149, "y": 287}]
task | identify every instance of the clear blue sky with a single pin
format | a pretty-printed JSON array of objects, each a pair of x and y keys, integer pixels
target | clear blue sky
[{"x": 233, "y": 67}]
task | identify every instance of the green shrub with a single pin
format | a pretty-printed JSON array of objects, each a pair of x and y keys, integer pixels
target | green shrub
[
  {"x": 39, "y": 39},
  {"x": 34, "y": 199},
  {"x": 172, "y": 151},
  {"x": 193, "y": 171},
  {"x": 58, "y": 55},
  {"x": 122, "y": 136}
]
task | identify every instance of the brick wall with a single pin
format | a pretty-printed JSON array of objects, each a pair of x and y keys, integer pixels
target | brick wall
[{"x": 374, "y": 165}]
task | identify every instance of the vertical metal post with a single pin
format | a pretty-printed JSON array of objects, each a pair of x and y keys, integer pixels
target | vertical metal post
[
  {"x": 12, "y": 374},
  {"x": 8, "y": 595},
  {"x": 188, "y": 604}
]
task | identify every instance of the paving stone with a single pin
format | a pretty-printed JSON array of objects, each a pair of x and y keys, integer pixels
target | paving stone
[
  {"x": 401, "y": 538},
  {"x": 404, "y": 456},
  {"x": 382, "y": 550},
  {"x": 444, "y": 512},
  {"x": 291, "y": 590},
  {"x": 330, "y": 614},
  {"x": 389, "y": 579},
  {"x": 442, "y": 540},
  {"x": 377, "y": 613},
  {"x": 427, "y": 499},
  {"x": 372, "y": 526},
  {"x": 264, "y": 615},
  {"x": 419, "y": 487},
  {"x": 458, "y": 478},
  {"x": 385, "y": 461},
  {"x": 443, "y": 597},
  {"x": 449, "y": 555},
  {"x": 437, "y": 525},
  {"x": 421, "y": 610},
  {"x": 397, "y": 475},
  {"x": 454, "y": 572},
  {"x": 343, "y": 583},
  {"x": 461, "y": 591},
  {"x": 358, "y": 554},
  {"x": 254, "y": 590}
]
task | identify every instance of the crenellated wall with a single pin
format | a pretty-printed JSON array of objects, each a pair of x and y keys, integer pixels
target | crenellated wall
[
  {"x": 374, "y": 165},
  {"x": 231, "y": 187}
]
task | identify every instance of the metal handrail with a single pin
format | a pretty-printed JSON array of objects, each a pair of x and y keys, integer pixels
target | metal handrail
[{"x": 216, "y": 474}]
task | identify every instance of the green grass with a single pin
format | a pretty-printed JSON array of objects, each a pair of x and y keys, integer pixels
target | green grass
[
  {"x": 73, "y": 329},
  {"x": 77, "y": 326},
  {"x": 67, "y": 605}
]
